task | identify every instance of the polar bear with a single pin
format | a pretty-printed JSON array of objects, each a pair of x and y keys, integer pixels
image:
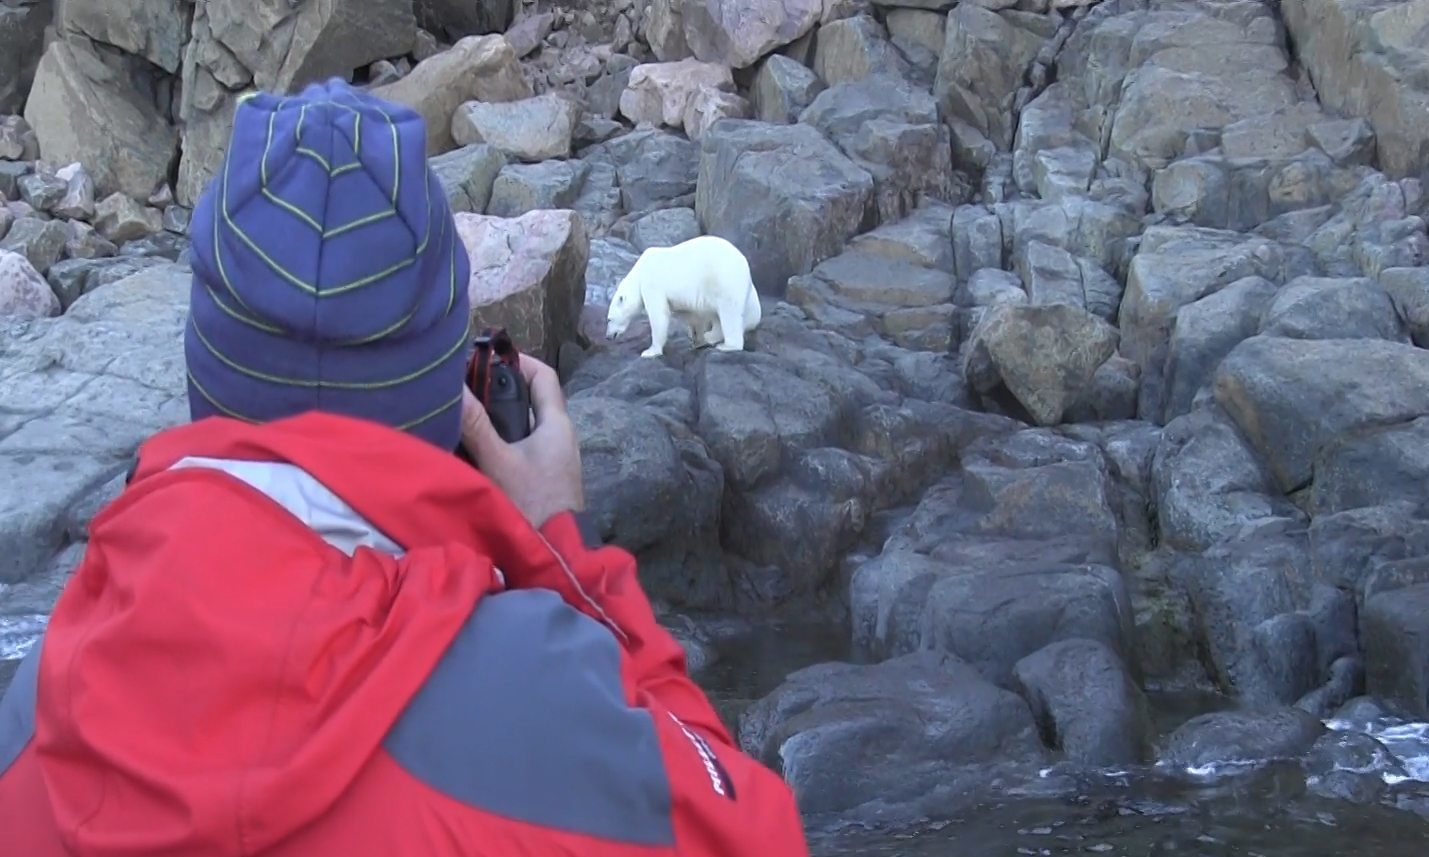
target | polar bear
[{"x": 705, "y": 281}]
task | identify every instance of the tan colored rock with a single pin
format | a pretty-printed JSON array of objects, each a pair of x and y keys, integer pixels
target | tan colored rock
[
  {"x": 707, "y": 106},
  {"x": 1045, "y": 356},
  {"x": 87, "y": 109},
  {"x": 658, "y": 93},
  {"x": 532, "y": 129},
  {"x": 527, "y": 275},
  {"x": 119, "y": 219},
  {"x": 24, "y": 294},
  {"x": 1370, "y": 60},
  {"x": 477, "y": 68}
]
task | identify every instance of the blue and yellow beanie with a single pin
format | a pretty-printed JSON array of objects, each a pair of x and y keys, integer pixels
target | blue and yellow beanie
[{"x": 328, "y": 274}]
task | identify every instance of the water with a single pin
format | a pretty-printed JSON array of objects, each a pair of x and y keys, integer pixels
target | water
[{"x": 1270, "y": 810}]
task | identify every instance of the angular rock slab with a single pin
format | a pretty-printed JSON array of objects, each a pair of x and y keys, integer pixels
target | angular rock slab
[
  {"x": 527, "y": 275},
  {"x": 783, "y": 194},
  {"x": 81, "y": 392},
  {"x": 889, "y": 738}
]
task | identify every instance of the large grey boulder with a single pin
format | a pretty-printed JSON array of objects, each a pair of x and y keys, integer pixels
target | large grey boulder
[{"x": 785, "y": 195}]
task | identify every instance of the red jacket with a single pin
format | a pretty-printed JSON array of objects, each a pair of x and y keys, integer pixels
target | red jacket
[{"x": 323, "y": 637}]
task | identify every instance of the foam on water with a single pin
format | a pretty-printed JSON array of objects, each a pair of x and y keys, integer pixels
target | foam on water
[{"x": 19, "y": 633}]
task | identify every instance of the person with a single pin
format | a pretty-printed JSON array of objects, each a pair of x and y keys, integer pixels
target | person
[{"x": 305, "y": 626}]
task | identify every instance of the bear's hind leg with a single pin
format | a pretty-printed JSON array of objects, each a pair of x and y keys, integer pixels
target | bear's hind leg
[
  {"x": 731, "y": 322},
  {"x": 715, "y": 334},
  {"x": 657, "y": 309}
]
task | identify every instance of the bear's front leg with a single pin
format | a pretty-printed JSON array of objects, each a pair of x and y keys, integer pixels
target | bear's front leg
[{"x": 658, "y": 311}]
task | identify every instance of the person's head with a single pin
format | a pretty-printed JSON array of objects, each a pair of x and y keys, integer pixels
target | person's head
[{"x": 328, "y": 274}]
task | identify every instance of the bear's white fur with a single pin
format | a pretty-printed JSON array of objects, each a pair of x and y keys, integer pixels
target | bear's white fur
[{"x": 705, "y": 281}]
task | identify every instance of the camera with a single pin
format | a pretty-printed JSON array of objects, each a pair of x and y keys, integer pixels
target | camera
[{"x": 494, "y": 377}]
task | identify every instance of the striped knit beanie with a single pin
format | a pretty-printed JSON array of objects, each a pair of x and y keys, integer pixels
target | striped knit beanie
[{"x": 328, "y": 274}]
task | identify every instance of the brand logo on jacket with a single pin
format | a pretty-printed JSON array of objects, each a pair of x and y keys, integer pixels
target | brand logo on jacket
[{"x": 719, "y": 777}]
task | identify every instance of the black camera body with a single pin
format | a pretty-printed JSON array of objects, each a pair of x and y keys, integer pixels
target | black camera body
[{"x": 494, "y": 376}]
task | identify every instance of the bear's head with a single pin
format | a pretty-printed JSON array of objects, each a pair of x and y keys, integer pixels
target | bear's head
[{"x": 625, "y": 306}]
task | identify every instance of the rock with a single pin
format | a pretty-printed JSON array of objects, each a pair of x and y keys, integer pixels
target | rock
[
  {"x": 1409, "y": 289},
  {"x": 1333, "y": 308},
  {"x": 533, "y": 129},
  {"x": 1045, "y": 356},
  {"x": 1365, "y": 61},
  {"x": 527, "y": 33},
  {"x": 75, "y": 277},
  {"x": 153, "y": 29},
  {"x": 22, "y": 41},
  {"x": 1346, "y": 679},
  {"x": 467, "y": 175},
  {"x": 922, "y": 238},
  {"x": 476, "y": 68},
  {"x": 527, "y": 275},
  {"x": 977, "y": 240},
  {"x": 890, "y": 129},
  {"x": 990, "y": 287},
  {"x": 782, "y": 89},
  {"x": 1224, "y": 737},
  {"x": 1373, "y": 467},
  {"x": 753, "y": 176},
  {"x": 655, "y": 492},
  {"x": 24, "y": 294},
  {"x": 917, "y": 26},
  {"x": 1218, "y": 71},
  {"x": 908, "y": 304},
  {"x": 1173, "y": 267},
  {"x": 1085, "y": 703},
  {"x": 453, "y": 19},
  {"x": 119, "y": 219},
  {"x": 708, "y": 106},
  {"x": 851, "y": 49},
  {"x": 162, "y": 197},
  {"x": 1245, "y": 593},
  {"x": 1396, "y": 646},
  {"x": 1204, "y": 332},
  {"x": 102, "y": 377},
  {"x": 980, "y": 68},
  {"x": 1210, "y": 484},
  {"x": 41, "y": 242},
  {"x": 1292, "y": 397},
  {"x": 85, "y": 243},
  {"x": 660, "y": 93},
  {"x": 1112, "y": 394},
  {"x": 653, "y": 167},
  {"x": 1351, "y": 766},
  {"x": 1000, "y": 561},
  {"x": 10, "y": 175},
  {"x": 737, "y": 33},
  {"x": 664, "y": 228},
  {"x": 86, "y": 108},
  {"x": 42, "y": 190},
  {"x": 610, "y": 260},
  {"x": 1055, "y": 276},
  {"x": 164, "y": 244},
  {"x": 1348, "y": 142},
  {"x": 664, "y": 30},
  {"x": 520, "y": 188},
  {"x": 943, "y": 733},
  {"x": 176, "y": 219},
  {"x": 77, "y": 202}
]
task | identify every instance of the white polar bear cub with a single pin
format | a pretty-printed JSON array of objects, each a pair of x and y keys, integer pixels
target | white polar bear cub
[{"x": 705, "y": 281}]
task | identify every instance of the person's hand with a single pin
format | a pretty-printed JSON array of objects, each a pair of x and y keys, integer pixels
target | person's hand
[{"x": 541, "y": 473}]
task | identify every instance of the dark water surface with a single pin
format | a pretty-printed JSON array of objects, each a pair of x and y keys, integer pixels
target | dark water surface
[{"x": 1270, "y": 811}]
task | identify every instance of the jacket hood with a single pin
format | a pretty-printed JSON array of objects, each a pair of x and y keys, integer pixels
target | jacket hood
[{"x": 217, "y": 673}]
